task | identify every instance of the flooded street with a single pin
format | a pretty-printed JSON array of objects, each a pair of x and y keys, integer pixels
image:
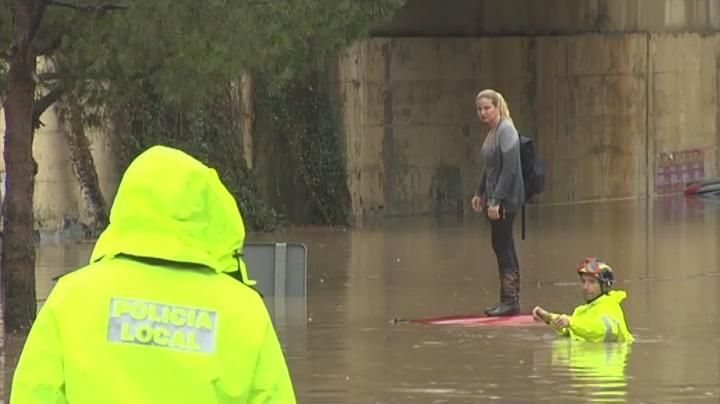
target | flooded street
[{"x": 350, "y": 349}]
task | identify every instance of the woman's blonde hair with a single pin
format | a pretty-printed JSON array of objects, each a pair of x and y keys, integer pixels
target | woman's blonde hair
[{"x": 497, "y": 100}]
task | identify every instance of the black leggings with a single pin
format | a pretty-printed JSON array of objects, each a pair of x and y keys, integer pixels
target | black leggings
[{"x": 503, "y": 243}]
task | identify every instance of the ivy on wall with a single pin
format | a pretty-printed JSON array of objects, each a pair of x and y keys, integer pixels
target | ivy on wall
[
  {"x": 205, "y": 132},
  {"x": 302, "y": 118},
  {"x": 297, "y": 121}
]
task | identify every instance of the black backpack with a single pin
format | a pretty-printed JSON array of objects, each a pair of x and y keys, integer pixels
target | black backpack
[{"x": 533, "y": 173}]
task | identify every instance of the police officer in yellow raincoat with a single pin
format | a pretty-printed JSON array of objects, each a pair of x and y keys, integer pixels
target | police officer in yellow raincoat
[
  {"x": 155, "y": 317},
  {"x": 601, "y": 318}
]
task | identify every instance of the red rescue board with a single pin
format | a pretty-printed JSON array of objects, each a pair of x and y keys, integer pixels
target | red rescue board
[{"x": 480, "y": 319}]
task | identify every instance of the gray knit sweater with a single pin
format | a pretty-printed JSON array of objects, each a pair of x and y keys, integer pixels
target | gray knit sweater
[{"x": 501, "y": 181}]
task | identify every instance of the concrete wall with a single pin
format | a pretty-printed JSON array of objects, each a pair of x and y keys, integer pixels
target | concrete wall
[
  {"x": 57, "y": 193},
  {"x": 604, "y": 108},
  {"x": 590, "y": 115},
  {"x": 684, "y": 102},
  {"x": 550, "y": 17},
  {"x": 601, "y": 108}
]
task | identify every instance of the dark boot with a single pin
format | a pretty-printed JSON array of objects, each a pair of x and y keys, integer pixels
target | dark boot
[{"x": 509, "y": 295}]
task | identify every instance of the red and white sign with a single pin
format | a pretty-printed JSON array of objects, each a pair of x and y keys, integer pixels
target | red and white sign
[{"x": 675, "y": 169}]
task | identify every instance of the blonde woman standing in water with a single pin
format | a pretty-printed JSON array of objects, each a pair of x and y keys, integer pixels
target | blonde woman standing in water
[{"x": 501, "y": 193}]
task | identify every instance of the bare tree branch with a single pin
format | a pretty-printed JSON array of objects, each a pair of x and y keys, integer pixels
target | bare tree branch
[
  {"x": 45, "y": 77},
  {"x": 98, "y": 8},
  {"x": 263, "y": 2},
  {"x": 35, "y": 18},
  {"x": 46, "y": 101}
]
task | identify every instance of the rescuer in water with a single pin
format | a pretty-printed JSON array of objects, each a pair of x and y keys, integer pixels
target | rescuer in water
[
  {"x": 156, "y": 317},
  {"x": 601, "y": 318}
]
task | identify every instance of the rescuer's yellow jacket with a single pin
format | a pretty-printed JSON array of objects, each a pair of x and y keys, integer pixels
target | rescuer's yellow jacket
[
  {"x": 601, "y": 320},
  {"x": 155, "y": 318}
]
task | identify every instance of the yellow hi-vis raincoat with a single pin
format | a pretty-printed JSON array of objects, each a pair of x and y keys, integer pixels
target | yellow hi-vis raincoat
[
  {"x": 601, "y": 320},
  {"x": 155, "y": 318}
]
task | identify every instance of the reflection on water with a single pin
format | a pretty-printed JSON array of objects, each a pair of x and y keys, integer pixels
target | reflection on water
[
  {"x": 597, "y": 370},
  {"x": 348, "y": 350}
]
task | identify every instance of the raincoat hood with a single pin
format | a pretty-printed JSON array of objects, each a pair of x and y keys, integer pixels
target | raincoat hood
[
  {"x": 615, "y": 296},
  {"x": 170, "y": 206}
]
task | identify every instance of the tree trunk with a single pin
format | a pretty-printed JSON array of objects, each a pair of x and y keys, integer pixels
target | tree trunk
[
  {"x": 84, "y": 167},
  {"x": 18, "y": 259},
  {"x": 119, "y": 129},
  {"x": 247, "y": 117}
]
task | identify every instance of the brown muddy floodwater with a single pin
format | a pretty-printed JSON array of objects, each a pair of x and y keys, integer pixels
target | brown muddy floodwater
[{"x": 348, "y": 349}]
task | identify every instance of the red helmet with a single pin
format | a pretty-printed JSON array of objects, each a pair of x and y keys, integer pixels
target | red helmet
[{"x": 598, "y": 270}]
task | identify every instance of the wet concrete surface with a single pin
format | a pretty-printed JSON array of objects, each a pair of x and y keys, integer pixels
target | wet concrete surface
[{"x": 348, "y": 349}]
